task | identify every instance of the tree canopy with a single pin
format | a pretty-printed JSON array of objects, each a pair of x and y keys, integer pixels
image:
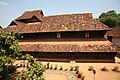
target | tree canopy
[
  {"x": 110, "y": 18},
  {"x": 8, "y": 47},
  {"x": 9, "y": 52},
  {"x": 34, "y": 71}
]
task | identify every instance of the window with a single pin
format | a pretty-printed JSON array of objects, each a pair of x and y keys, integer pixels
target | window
[
  {"x": 58, "y": 35},
  {"x": 87, "y": 35}
]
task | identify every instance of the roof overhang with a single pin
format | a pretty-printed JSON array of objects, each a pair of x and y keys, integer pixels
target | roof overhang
[{"x": 68, "y": 46}]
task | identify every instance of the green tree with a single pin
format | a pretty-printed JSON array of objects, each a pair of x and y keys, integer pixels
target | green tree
[
  {"x": 8, "y": 51},
  {"x": 110, "y": 18},
  {"x": 8, "y": 54},
  {"x": 34, "y": 71},
  {"x": 119, "y": 19}
]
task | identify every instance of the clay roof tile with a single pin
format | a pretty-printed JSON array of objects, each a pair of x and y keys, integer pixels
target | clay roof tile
[{"x": 60, "y": 23}]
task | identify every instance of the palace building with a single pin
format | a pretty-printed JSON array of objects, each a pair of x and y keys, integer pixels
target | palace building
[
  {"x": 65, "y": 37},
  {"x": 114, "y": 36}
]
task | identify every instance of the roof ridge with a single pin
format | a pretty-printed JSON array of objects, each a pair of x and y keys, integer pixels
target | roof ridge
[
  {"x": 31, "y": 11},
  {"x": 70, "y": 14}
]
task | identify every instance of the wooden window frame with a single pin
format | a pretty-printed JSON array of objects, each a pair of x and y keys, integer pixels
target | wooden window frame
[
  {"x": 58, "y": 35},
  {"x": 87, "y": 35}
]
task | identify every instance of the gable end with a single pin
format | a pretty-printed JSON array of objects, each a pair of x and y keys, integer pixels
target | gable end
[{"x": 34, "y": 19}]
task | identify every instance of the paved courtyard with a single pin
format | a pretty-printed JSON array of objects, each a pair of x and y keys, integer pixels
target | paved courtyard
[
  {"x": 100, "y": 75},
  {"x": 52, "y": 74},
  {"x": 59, "y": 75}
]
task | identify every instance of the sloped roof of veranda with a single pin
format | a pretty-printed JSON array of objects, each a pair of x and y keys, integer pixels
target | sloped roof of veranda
[
  {"x": 68, "y": 46},
  {"x": 56, "y": 23}
]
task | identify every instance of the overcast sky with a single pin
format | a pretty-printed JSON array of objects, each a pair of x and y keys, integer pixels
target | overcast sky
[{"x": 11, "y": 9}]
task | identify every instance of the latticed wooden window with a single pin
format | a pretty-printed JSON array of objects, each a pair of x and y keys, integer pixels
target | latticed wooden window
[
  {"x": 87, "y": 35},
  {"x": 58, "y": 35}
]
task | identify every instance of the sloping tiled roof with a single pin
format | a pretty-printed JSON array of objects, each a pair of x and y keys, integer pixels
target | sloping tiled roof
[
  {"x": 115, "y": 32},
  {"x": 60, "y": 23},
  {"x": 0, "y": 27},
  {"x": 70, "y": 46},
  {"x": 18, "y": 23},
  {"x": 30, "y": 14}
]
